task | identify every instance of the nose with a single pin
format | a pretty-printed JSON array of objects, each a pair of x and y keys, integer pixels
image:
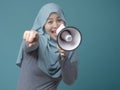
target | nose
[{"x": 55, "y": 25}]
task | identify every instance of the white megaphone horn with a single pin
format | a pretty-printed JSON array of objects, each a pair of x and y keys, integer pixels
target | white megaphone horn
[{"x": 68, "y": 38}]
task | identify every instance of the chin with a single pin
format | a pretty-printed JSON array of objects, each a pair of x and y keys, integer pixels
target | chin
[{"x": 54, "y": 38}]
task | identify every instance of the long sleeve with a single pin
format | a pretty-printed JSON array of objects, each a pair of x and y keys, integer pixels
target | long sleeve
[
  {"x": 69, "y": 68},
  {"x": 24, "y": 48}
]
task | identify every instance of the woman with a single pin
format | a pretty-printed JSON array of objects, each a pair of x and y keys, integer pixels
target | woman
[{"x": 42, "y": 66}]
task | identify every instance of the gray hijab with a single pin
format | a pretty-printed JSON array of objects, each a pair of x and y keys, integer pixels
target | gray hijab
[
  {"x": 38, "y": 25},
  {"x": 49, "y": 65}
]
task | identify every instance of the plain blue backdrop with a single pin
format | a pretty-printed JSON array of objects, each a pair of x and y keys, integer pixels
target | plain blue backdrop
[{"x": 99, "y": 23}]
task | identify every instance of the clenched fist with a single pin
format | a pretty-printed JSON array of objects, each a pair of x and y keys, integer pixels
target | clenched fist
[
  {"x": 63, "y": 53},
  {"x": 31, "y": 37}
]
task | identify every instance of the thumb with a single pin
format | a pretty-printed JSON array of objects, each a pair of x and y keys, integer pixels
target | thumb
[{"x": 30, "y": 45}]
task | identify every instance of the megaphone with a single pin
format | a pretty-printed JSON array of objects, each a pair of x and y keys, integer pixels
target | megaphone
[{"x": 68, "y": 38}]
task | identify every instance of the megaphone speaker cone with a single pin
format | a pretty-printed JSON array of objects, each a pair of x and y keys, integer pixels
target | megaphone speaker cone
[{"x": 69, "y": 38}]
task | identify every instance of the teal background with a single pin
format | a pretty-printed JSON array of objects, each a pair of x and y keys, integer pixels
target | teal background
[{"x": 99, "y": 23}]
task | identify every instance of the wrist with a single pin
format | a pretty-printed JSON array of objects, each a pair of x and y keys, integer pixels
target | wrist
[{"x": 63, "y": 55}]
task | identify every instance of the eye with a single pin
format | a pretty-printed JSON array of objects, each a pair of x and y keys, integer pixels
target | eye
[
  {"x": 50, "y": 22},
  {"x": 60, "y": 20}
]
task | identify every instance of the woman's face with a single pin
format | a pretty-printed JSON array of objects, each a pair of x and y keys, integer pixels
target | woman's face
[{"x": 52, "y": 23}]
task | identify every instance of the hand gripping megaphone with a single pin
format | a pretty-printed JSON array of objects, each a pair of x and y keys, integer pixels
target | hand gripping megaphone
[{"x": 68, "y": 38}]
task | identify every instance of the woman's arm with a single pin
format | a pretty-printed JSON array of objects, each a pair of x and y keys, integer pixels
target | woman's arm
[
  {"x": 69, "y": 68},
  {"x": 29, "y": 43}
]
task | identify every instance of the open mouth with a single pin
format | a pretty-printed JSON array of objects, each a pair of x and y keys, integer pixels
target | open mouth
[{"x": 54, "y": 32}]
